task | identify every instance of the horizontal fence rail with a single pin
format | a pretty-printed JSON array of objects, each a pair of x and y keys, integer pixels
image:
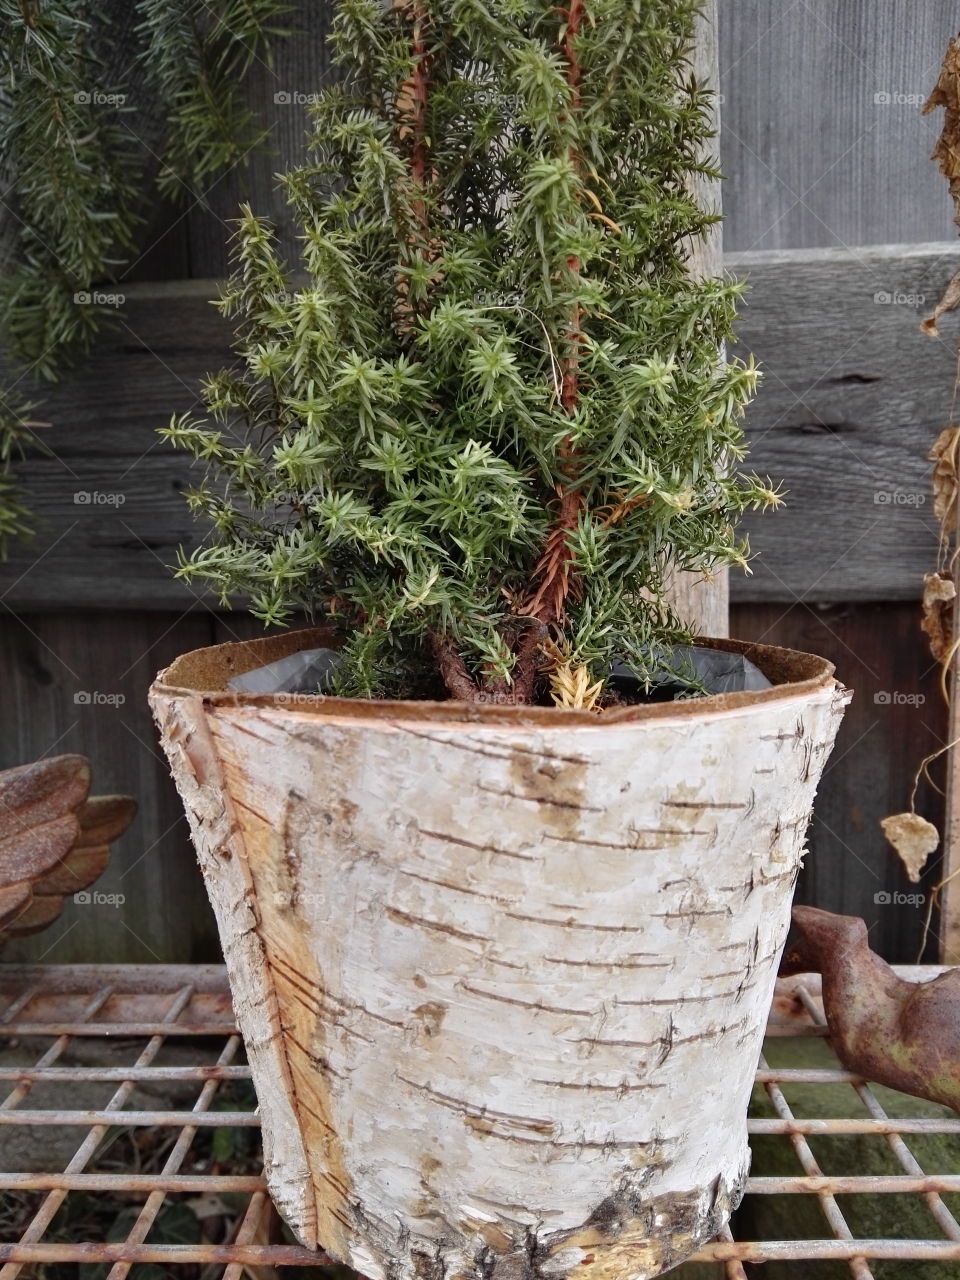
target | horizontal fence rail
[{"x": 852, "y": 399}]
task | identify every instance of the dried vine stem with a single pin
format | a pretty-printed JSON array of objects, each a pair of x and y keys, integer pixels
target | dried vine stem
[
  {"x": 946, "y": 94},
  {"x": 939, "y": 620}
]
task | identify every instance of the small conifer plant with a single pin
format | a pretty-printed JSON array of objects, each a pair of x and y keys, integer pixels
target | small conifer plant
[{"x": 480, "y": 417}]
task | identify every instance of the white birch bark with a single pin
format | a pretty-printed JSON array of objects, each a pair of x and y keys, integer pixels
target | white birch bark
[{"x": 503, "y": 984}]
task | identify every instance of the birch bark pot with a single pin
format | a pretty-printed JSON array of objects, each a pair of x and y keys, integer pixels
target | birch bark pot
[{"x": 502, "y": 973}]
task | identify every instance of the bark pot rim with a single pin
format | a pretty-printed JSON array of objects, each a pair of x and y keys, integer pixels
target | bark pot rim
[{"x": 204, "y": 672}]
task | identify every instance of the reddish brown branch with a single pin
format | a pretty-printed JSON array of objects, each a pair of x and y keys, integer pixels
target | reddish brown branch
[
  {"x": 571, "y": 364},
  {"x": 411, "y": 109},
  {"x": 553, "y": 579},
  {"x": 453, "y": 671},
  {"x": 518, "y": 690},
  {"x": 554, "y": 575},
  {"x": 418, "y": 84}
]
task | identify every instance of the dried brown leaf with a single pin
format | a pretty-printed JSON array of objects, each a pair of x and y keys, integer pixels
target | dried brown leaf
[
  {"x": 939, "y": 593},
  {"x": 944, "y": 456},
  {"x": 946, "y": 94},
  {"x": 914, "y": 839},
  {"x": 949, "y": 301}
]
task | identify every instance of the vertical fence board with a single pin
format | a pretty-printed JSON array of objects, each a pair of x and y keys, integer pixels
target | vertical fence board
[
  {"x": 61, "y": 677},
  {"x": 896, "y": 718},
  {"x": 812, "y": 157},
  {"x": 279, "y": 95}
]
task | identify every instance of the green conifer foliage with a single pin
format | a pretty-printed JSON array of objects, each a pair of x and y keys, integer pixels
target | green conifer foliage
[{"x": 486, "y": 409}]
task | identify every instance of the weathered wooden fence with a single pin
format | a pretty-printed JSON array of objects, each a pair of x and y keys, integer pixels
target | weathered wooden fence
[{"x": 844, "y": 229}]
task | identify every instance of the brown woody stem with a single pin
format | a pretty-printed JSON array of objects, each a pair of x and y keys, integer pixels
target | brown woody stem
[{"x": 553, "y": 577}]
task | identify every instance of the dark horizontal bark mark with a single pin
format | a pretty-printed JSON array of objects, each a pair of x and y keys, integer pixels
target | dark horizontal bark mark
[
  {"x": 479, "y": 1111},
  {"x": 699, "y": 999},
  {"x": 600, "y": 1088},
  {"x": 573, "y": 924},
  {"x": 480, "y": 848},
  {"x": 713, "y": 1033},
  {"x": 470, "y": 1110},
  {"x": 540, "y": 800},
  {"x": 609, "y": 964},
  {"x": 616, "y": 1044},
  {"x": 694, "y": 913},
  {"x": 604, "y": 844},
  {"x": 528, "y": 1004},
  {"x": 436, "y": 926},
  {"x": 446, "y": 884},
  {"x": 702, "y": 804},
  {"x": 510, "y": 750}
]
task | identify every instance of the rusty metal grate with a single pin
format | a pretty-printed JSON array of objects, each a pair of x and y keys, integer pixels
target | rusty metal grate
[{"x": 172, "y": 1027}]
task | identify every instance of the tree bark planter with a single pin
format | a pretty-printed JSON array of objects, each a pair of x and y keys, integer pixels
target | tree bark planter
[{"x": 502, "y": 973}]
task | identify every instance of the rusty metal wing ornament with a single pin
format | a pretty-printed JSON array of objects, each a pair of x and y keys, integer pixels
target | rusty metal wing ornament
[
  {"x": 54, "y": 839},
  {"x": 902, "y": 1034}
]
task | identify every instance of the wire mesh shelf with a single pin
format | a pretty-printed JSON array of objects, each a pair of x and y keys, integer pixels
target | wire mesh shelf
[{"x": 130, "y": 1082}]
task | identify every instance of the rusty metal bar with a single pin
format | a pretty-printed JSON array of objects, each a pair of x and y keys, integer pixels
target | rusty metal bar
[
  {"x": 148, "y": 1214},
  {"x": 930, "y": 1192},
  {"x": 831, "y": 1210},
  {"x": 144, "y": 979},
  {"x": 941, "y": 1214},
  {"x": 801, "y": 1075},
  {"x": 46, "y": 1059},
  {"x": 870, "y": 1184},
  {"x": 733, "y": 1267},
  {"x": 142, "y": 1119},
  {"x": 893, "y": 1184},
  {"x": 883, "y": 1126},
  {"x": 47, "y": 1211},
  {"x": 817, "y": 1125},
  {"x": 175, "y": 1254},
  {"x": 293, "y": 1255},
  {"x": 849, "y": 1251},
  {"x": 19, "y": 1003},
  {"x": 147, "y": 1182},
  {"x": 258, "y": 1215},
  {"x": 104, "y": 1075},
  {"x": 128, "y": 1030},
  {"x": 88, "y": 1147}
]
